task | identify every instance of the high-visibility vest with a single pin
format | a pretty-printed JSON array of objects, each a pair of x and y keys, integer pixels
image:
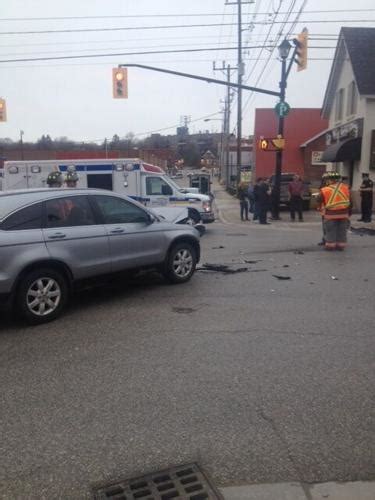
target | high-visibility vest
[{"x": 336, "y": 201}]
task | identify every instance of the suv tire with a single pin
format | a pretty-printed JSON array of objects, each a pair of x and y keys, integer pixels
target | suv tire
[
  {"x": 42, "y": 295},
  {"x": 181, "y": 263}
]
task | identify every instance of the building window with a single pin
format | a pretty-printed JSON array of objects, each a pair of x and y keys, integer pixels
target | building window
[
  {"x": 352, "y": 100},
  {"x": 339, "y": 104}
]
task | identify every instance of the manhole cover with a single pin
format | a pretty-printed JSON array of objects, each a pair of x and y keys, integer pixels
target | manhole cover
[{"x": 186, "y": 482}]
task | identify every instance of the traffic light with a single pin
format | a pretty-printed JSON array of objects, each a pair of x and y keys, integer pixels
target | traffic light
[
  {"x": 271, "y": 143},
  {"x": 120, "y": 83},
  {"x": 301, "y": 49},
  {"x": 3, "y": 110}
]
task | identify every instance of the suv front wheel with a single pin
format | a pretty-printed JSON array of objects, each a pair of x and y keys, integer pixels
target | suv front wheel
[
  {"x": 181, "y": 263},
  {"x": 42, "y": 295}
]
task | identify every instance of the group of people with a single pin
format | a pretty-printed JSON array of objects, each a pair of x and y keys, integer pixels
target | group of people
[
  {"x": 334, "y": 204},
  {"x": 259, "y": 198},
  {"x": 254, "y": 199},
  {"x": 56, "y": 179}
]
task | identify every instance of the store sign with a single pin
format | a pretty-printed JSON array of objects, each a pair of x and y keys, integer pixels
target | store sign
[
  {"x": 350, "y": 130},
  {"x": 316, "y": 158}
]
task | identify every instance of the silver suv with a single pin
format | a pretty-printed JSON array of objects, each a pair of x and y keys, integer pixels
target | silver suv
[{"x": 51, "y": 239}]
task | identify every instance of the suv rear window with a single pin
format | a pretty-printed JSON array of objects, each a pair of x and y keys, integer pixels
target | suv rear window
[
  {"x": 27, "y": 218},
  {"x": 68, "y": 212}
]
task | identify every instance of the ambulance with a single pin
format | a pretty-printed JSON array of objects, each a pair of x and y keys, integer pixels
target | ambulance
[{"x": 141, "y": 181}]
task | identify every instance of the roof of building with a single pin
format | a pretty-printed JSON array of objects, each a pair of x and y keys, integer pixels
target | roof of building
[
  {"x": 359, "y": 43},
  {"x": 314, "y": 137}
]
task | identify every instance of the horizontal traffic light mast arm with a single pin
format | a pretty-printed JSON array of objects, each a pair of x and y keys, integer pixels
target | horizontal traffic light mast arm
[{"x": 203, "y": 78}]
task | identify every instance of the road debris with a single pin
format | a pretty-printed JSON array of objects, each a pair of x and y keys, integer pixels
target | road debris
[
  {"x": 334, "y": 278},
  {"x": 183, "y": 310},
  {"x": 221, "y": 268},
  {"x": 298, "y": 252},
  {"x": 217, "y": 248},
  {"x": 361, "y": 231},
  {"x": 281, "y": 277}
]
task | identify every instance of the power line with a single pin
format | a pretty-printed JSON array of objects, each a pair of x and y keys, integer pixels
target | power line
[
  {"x": 119, "y": 54},
  {"x": 179, "y": 26},
  {"x": 132, "y": 16}
]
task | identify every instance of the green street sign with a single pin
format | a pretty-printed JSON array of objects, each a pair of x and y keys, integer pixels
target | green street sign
[{"x": 282, "y": 109}]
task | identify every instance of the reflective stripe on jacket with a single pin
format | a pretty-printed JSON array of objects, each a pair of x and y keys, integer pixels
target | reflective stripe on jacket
[{"x": 336, "y": 201}]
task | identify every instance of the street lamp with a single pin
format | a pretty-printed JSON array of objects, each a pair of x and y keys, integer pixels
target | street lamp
[{"x": 284, "y": 49}]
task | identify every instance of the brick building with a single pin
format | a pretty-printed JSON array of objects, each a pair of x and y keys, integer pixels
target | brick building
[{"x": 302, "y": 127}]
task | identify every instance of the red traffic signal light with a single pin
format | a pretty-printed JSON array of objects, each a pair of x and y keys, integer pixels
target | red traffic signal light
[
  {"x": 120, "y": 83},
  {"x": 3, "y": 110}
]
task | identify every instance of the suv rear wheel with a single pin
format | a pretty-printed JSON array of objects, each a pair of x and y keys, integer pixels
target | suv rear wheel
[
  {"x": 42, "y": 295},
  {"x": 181, "y": 263}
]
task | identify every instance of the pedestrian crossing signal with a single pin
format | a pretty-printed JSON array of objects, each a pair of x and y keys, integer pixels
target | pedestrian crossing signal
[
  {"x": 271, "y": 143},
  {"x": 120, "y": 83}
]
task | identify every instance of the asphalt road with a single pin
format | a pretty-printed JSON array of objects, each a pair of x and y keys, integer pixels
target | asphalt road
[{"x": 258, "y": 379}]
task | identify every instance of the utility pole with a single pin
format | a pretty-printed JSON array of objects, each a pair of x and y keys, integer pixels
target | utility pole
[
  {"x": 226, "y": 68},
  {"x": 239, "y": 95},
  {"x": 21, "y": 144},
  {"x": 240, "y": 69}
]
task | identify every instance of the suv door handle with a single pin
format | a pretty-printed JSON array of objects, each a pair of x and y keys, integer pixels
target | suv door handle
[
  {"x": 56, "y": 236},
  {"x": 117, "y": 230}
]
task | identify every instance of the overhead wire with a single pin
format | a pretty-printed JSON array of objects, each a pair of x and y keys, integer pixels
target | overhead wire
[
  {"x": 280, "y": 34},
  {"x": 276, "y": 13},
  {"x": 261, "y": 33},
  {"x": 132, "y": 16},
  {"x": 175, "y": 26}
]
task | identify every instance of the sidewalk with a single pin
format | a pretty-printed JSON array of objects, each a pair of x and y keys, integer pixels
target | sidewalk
[
  {"x": 359, "y": 490},
  {"x": 228, "y": 212}
]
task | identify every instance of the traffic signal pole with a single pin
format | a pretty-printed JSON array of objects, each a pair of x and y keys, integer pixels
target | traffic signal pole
[
  {"x": 279, "y": 153},
  {"x": 202, "y": 78},
  {"x": 275, "y": 195}
]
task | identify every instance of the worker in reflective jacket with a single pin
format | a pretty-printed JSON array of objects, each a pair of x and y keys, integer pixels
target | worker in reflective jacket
[{"x": 336, "y": 210}]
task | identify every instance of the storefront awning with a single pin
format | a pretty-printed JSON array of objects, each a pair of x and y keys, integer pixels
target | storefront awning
[{"x": 349, "y": 150}]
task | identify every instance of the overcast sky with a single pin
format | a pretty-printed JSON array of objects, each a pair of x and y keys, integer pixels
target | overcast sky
[{"x": 73, "y": 98}]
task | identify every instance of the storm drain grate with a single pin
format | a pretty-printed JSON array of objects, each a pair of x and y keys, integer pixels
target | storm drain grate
[{"x": 186, "y": 482}]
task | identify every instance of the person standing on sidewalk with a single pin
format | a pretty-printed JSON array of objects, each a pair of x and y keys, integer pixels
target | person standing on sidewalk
[
  {"x": 243, "y": 196},
  {"x": 250, "y": 192},
  {"x": 296, "y": 189},
  {"x": 263, "y": 195},
  {"x": 336, "y": 207},
  {"x": 366, "y": 189},
  {"x": 256, "y": 198}
]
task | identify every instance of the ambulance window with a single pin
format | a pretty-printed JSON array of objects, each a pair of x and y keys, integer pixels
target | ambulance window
[
  {"x": 157, "y": 186},
  {"x": 26, "y": 218}
]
